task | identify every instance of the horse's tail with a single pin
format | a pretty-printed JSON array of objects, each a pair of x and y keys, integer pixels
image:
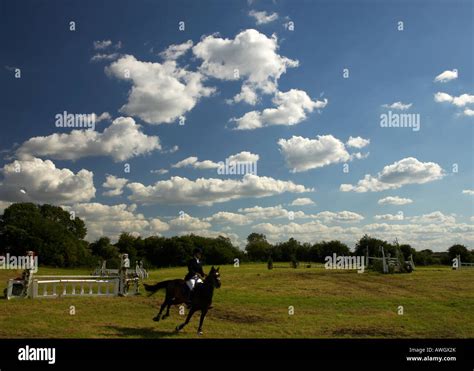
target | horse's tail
[{"x": 154, "y": 288}]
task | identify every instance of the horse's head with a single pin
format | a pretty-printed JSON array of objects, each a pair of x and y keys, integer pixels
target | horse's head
[{"x": 215, "y": 277}]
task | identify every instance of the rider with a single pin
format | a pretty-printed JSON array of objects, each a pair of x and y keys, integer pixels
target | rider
[{"x": 195, "y": 273}]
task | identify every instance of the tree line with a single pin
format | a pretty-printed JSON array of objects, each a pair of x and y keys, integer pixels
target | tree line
[{"x": 58, "y": 239}]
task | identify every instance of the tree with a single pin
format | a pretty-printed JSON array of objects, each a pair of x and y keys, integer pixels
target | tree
[
  {"x": 173, "y": 253},
  {"x": 407, "y": 250},
  {"x": 127, "y": 244},
  {"x": 221, "y": 251},
  {"x": 289, "y": 250},
  {"x": 152, "y": 249},
  {"x": 72, "y": 224},
  {"x": 258, "y": 249},
  {"x": 461, "y": 250},
  {"x": 256, "y": 237},
  {"x": 294, "y": 262},
  {"x": 424, "y": 257},
  {"x": 105, "y": 250},
  {"x": 303, "y": 252},
  {"x": 333, "y": 247},
  {"x": 315, "y": 253},
  {"x": 270, "y": 263},
  {"x": 50, "y": 231},
  {"x": 374, "y": 245}
]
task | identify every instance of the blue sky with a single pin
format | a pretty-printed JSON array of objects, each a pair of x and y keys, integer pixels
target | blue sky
[{"x": 386, "y": 66}]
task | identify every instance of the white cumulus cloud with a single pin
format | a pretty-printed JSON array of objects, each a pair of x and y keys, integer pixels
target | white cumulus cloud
[
  {"x": 394, "y": 200},
  {"x": 263, "y": 17},
  {"x": 186, "y": 223},
  {"x": 251, "y": 56},
  {"x": 434, "y": 217},
  {"x": 357, "y": 142},
  {"x": 459, "y": 101},
  {"x": 406, "y": 171},
  {"x": 112, "y": 220},
  {"x": 270, "y": 212},
  {"x": 160, "y": 171},
  {"x": 225, "y": 217},
  {"x": 35, "y": 180},
  {"x": 122, "y": 140},
  {"x": 447, "y": 76},
  {"x": 175, "y": 51},
  {"x": 100, "y": 57},
  {"x": 194, "y": 162},
  {"x": 244, "y": 156},
  {"x": 398, "y": 106},
  {"x": 106, "y": 44},
  {"x": 160, "y": 93},
  {"x": 468, "y": 112},
  {"x": 341, "y": 216},
  {"x": 390, "y": 217},
  {"x": 115, "y": 185},
  {"x": 303, "y": 201},
  {"x": 102, "y": 44},
  {"x": 302, "y": 154},
  {"x": 292, "y": 108},
  {"x": 207, "y": 191}
]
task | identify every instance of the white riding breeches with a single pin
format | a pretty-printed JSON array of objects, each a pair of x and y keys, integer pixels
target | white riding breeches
[{"x": 192, "y": 282}]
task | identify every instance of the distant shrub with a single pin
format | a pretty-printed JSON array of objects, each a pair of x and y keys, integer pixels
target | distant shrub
[{"x": 270, "y": 263}]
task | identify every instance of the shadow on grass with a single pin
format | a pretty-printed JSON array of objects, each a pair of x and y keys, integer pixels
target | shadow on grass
[{"x": 141, "y": 332}]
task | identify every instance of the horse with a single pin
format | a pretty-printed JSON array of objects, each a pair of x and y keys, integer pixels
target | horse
[{"x": 175, "y": 294}]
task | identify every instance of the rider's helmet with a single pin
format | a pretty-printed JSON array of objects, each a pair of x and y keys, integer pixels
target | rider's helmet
[{"x": 197, "y": 250}]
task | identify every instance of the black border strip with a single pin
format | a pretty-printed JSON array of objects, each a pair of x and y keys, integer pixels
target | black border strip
[{"x": 323, "y": 351}]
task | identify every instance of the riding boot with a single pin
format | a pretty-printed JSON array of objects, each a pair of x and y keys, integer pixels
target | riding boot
[{"x": 189, "y": 297}]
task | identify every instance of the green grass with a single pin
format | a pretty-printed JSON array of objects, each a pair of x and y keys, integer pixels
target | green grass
[{"x": 253, "y": 302}]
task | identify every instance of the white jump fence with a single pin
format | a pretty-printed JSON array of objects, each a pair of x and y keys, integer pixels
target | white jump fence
[
  {"x": 72, "y": 286},
  {"x": 458, "y": 264},
  {"x": 388, "y": 261},
  {"x": 65, "y": 286},
  {"x": 139, "y": 271},
  {"x": 123, "y": 282}
]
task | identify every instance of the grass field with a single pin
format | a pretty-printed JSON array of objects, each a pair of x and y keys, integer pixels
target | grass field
[{"x": 254, "y": 302}]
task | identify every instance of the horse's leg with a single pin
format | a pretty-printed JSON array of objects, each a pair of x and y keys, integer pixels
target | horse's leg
[
  {"x": 188, "y": 318},
  {"x": 162, "y": 308},
  {"x": 203, "y": 315},
  {"x": 167, "y": 314}
]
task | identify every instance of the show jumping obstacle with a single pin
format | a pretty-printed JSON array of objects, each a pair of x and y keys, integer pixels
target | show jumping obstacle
[
  {"x": 119, "y": 282},
  {"x": 389, "y": 264},
  {"x": 458, "y": 264}
]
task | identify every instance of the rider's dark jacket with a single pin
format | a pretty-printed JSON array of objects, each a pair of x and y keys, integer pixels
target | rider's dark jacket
[{"x": 194, "y": 267}]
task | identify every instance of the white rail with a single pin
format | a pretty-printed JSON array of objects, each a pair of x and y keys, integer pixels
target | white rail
[{"x": 70, "y": 286}]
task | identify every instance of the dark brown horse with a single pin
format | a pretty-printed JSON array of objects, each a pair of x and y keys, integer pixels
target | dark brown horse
[{"x": 175, "y": 295}]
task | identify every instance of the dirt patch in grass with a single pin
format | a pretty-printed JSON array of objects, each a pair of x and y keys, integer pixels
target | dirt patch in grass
[
  {"x": 237, "y": 317},
  {"x": 365, "y": 332},
  {"x": 137, "y": 332}
]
